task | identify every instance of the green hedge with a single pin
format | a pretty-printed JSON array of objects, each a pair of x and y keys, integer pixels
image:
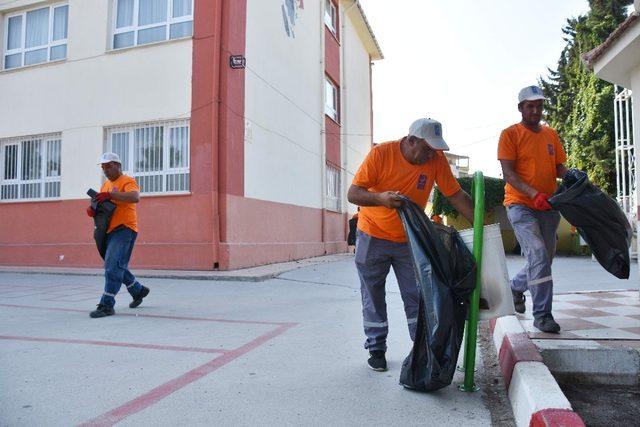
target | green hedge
[{"x": 493, "y": 191}]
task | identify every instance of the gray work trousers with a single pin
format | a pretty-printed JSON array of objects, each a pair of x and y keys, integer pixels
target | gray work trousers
[
  {"x": 374, "y": 258},
  {"x": 536, "y": 233}
]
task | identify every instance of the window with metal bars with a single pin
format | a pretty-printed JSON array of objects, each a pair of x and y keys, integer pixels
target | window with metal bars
[
  {"x": 138, "y": 22},
  {"x": 30, "y": 168},
  {"x": 155, "y": 154},
  {"x": 36, "y": 35},
  {"x": 333, "y": 194}
]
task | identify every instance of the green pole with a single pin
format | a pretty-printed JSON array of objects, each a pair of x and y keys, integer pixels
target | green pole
[{"x": 472, "y": 324}]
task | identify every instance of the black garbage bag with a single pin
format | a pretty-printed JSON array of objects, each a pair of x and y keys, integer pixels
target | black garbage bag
[
  {"x": 599, "y": 220},
  {"x": 446, "y": 275},
  {"x": 101, "y": 220}
]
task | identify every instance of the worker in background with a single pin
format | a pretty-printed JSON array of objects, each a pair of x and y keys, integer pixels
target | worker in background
[{"x": 532, "y": 158}]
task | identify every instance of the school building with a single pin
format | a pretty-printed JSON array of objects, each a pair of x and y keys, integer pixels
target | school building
[{"x": 243, "y": 121}]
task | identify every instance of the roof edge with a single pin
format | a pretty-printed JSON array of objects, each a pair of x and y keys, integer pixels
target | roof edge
[
  {"x": 376, "y": 51},
  {"x": 590, "y": 58}
]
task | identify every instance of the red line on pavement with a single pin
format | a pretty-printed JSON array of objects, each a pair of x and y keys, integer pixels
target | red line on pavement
[
  {"x": 115, "y": 344},
  {"x": 144, "y": 401},
  {"x": 155, "y": 316}
]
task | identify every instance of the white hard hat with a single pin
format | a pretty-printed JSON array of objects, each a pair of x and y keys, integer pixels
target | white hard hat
[
  {"x": 431, "y": 131},
  {"x": 109, "y": 157},
  {"x": 530, "y": 93}
]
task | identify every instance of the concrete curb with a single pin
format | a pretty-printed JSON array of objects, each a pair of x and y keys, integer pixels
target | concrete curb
[
  {"x": 591, "y": 362},
  {"x": 535, "y": 395},
  {"x": 251, "y": 274}
]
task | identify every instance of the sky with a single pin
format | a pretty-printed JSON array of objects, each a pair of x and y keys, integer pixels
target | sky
[{"x": 463, "y": 64}]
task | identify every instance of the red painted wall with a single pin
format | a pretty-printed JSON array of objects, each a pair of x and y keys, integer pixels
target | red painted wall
[
  {"x": 205, "y": 116},
  {"x": 331, "y": 56},
  {"x": 60, "y": 234},
  {"x": 232, "y": 101},
  {"x": 37, "y": 233},
  {"x": 332, "y": 141},
  {"x": 262, "y": 232},
  {"x": 332, "y": 69}
]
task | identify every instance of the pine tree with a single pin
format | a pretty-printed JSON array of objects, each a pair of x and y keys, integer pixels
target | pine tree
[{"x": 580, "y": 105}]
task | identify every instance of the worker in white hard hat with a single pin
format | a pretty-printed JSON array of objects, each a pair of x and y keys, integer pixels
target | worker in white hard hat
[
  {"x": 123, "y": 191},
  {"x": 532, "y": 158},
  {"x": 407, "y": 167}
]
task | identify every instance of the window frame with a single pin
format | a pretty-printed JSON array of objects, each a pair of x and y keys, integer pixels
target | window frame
[
  {"x": 332, "y": 111},
  {"x": 135, "y": 28},
  {"x": 333, "y": 188},
  {"x": 331, "y": 17},
  {"x": 167, "y": 170},
  {"x": 22, "y": 50},
  {"x": 44, "y": 179}
]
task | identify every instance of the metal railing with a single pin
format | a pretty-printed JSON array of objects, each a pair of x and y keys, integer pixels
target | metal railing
[
  {"x": 155, "y": 154},
  {"x": 625, "y": 157},
  {"x": 30, "y": 168}
]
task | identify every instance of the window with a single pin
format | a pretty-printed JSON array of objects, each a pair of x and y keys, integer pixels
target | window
[
  {"x": 330, "y": 99},
  {"x": 138, "y": 22},
  {"x": 155, "y": 154},
  {"x": 330, "y": 16},
  {"x": 334, "y": 189},
  {"x": 30, "y": 168},
  {"x": 36, "y": 36}
]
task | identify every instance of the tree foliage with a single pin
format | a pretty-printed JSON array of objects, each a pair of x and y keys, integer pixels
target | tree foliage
[{"x": 580, "y": 105}]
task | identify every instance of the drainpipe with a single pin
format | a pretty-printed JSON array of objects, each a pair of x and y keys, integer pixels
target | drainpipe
[
  {"x": 345, "y": 122},
  {"x": 323, "y": 130},
  {"x": 218, "y": 53}
]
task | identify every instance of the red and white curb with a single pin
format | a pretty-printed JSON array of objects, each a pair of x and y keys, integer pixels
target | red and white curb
[{"x": 535, "y": 396}]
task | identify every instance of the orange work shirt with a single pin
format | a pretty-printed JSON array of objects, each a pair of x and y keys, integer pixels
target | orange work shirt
[
  {"x": 386, "y": 169},
  {"x": 536, "y": 155},
  {"x": 125, "y": 213}
]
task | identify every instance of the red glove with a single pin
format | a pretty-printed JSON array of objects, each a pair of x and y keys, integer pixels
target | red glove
[
  {"x": 541, "y": 203},
  {"x": 101, "y": 197},
  {"x": 91, "y": 212}
]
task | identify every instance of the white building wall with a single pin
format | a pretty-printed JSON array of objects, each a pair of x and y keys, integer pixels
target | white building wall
[
  {"x": 356, "y": 104},
  {"x": 93, "y": 88},
  {"x": 283, "y": 105}
]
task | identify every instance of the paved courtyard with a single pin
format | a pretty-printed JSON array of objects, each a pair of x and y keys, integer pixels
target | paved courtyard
[{"x": 286, "y": 351}]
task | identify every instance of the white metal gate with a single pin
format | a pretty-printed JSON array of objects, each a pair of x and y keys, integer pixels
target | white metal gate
[{"x": 625, "y": 157}]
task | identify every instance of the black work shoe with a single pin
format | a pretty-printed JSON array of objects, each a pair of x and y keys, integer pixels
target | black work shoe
[
  {"x": 102, "y": 311},
  {"x": 546, "y": 324},
  {"x": 518, "y": 301},
  {"x": 377, "y": 361},
  {"x": 138, "y": 300}
]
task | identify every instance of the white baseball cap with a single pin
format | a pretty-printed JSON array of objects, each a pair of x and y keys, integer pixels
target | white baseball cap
[
  {"x": 109, "y": 157},
  {"x": 431, "y": 131},
  {"x": 530, "y": 93}
]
